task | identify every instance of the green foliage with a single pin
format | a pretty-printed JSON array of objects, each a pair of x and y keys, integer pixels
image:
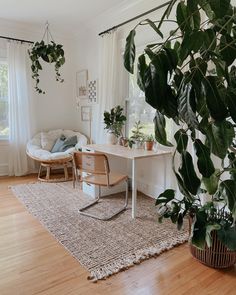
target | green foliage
[
  {"x": 149, "y": 138},
  {"x": 137, "y": 134},
  {"x": 189, "y": 77},
  {"x": 114, "y": 120},
  {"x": 50, "y": 53}
]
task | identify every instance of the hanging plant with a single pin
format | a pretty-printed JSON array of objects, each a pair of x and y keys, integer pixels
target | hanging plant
[{"x": 48, "y": 52}]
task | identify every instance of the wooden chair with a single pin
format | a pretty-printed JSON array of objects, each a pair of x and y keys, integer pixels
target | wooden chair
[{"x": 94, "y": 169}]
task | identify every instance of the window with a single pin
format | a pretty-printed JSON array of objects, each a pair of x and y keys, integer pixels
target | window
[
  {"x": 138, "y": 109},
  {"x": 4, "y": 127}
]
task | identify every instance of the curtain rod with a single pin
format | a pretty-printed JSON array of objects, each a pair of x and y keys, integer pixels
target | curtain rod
[
  {"x": 134, "y": 18},
  {"x": 14, "y": 39}
]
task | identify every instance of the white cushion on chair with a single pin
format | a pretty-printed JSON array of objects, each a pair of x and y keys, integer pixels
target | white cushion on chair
[{"x": 40, "y": 145}]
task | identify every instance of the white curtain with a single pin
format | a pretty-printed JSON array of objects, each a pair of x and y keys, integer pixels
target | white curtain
[
  {"x": 111, "y": 77},
  {"x": 20, "y": 124}
]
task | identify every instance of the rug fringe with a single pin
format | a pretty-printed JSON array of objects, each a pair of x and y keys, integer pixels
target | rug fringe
[{"x": 122, "y": 264}]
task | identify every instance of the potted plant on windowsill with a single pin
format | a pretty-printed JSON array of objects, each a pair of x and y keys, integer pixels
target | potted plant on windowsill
[
  {"x": 114, "y": 122},
  {"x": 191, "y": 80},
  {"x": 149, "y": 142},
  {"x": 137, "y": 135}
]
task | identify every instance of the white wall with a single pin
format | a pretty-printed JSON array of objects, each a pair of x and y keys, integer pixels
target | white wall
[
  {"x": 56, "y": 108},
  {"x": 150, "y": 173}
]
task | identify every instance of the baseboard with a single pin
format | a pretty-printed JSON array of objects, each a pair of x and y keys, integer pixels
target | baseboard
[
  {"x": 3, "y": 169},
  {"x": 149, "y": 189}
]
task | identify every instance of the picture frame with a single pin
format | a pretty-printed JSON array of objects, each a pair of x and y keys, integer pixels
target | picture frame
[
  {"x": 81, "y": 84},
  {"x": 92, "y": 90}
]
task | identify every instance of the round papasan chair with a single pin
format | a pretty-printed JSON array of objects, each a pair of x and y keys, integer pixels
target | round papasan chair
[{"x": 43, "y": 148}]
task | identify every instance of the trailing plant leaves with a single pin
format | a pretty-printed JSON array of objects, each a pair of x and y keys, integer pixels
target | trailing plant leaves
[
  {"x": 182, "y": 187},
  {"x": 211, "y": 183},
  {"x": 129, "y": 55},
  {"x": 228, "y": 237},
  {"x": 155, "y": 28},
  {"x": 219, "y": 137},
  {"x": 220, "y": 7},
  {"x": 184, "y": 107},
  {"x": 232, "y": 162},
  {"x": 142, "y": 66},
  {"x": 165, "y": 197},
  {"x": 204, "y": 162},
  {"x": 214, "y": 102},
  {"x": 207, "y": 8},
  {"x": 181, "y": 139},
  {"x": 160, "y": 132},
  {"x": 228, "y": 192},
  {"x": 187, "y": 171}
]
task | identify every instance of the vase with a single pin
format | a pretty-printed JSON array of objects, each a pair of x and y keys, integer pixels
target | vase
[{"x": 111, "y": 138}]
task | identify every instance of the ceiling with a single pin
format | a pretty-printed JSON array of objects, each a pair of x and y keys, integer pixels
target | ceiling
[{"x": 64, "y": 15}]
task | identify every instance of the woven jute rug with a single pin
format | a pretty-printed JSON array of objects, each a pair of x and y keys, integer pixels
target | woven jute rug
[{"x": 102, "y": 247}]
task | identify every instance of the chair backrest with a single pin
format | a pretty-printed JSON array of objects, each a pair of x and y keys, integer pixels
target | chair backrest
[{"x": 93, "y": 163}]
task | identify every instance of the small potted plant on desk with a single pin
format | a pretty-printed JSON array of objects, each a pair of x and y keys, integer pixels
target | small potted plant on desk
[
  {"x": 114, "y": 122},
  {"x": 137, "y": 135},
  {"x": 149, "y": 142}
]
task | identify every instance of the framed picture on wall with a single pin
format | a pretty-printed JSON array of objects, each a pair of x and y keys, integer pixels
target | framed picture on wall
[
  {"x": 92, "y": 91},
  {"x": 86, "y": 113},
  {"x": 81, "y": 84}
]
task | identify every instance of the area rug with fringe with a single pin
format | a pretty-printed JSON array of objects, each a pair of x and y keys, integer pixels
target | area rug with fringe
[{"x": 102, "y": 247}]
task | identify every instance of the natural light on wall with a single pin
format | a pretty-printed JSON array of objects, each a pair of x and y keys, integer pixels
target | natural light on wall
[{"x": 4, "y": 127}]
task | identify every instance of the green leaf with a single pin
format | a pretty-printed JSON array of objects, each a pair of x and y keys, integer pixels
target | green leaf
[
  {"x": 165, "y": 197},
  {"x": 191, "y": 181},
  {"x": 129, "y": 55},
  {"x": 228, "y": 49},
  {"x": 231, "y": 102},
  {"x": 195, "y": 19},
  {"x": 207, "y": 8},
  {"x": 214, "y": 101},
  {"x": 198, "y": 230},
  {"x": 185, "y": 109},
  {"x": 211, "y": 183},
  {"x": 228, "y": 237},
  {"x": 141, "y": 66},
  {"x": 204, "y": 162},
  {"x": 160, "y": 132},
  {"x": 180, "y": 221},
  {"x": 209, "y": 229},
  {"x": 181, "y": 139},
  {"x": 220, "y": 136},
  {"x": 228, "y": 192},
  {"x": 167, "y": 12},
  {"x": 220, "y": 7},
  {"x": 155, "y": 28},
  {"x": 182, "y": 187},
  {"x": 182, "y": 17}
]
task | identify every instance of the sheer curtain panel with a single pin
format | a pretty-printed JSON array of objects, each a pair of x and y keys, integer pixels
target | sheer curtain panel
[{"x": 20, "y": 112}]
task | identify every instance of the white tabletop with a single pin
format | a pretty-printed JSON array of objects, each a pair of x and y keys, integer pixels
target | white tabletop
[{"x": 124, "y": 152}]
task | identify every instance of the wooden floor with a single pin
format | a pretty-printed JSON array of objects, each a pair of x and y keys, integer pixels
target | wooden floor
[{"x": 33, "y": 262}]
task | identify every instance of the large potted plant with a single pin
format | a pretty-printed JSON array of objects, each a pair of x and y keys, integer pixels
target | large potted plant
[
  {"x": 190, "y": 78},
  {"x": 114, "y": 122}
]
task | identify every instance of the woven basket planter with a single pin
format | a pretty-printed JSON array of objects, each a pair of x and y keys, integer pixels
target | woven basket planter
[{"x": 217, "y": 256}]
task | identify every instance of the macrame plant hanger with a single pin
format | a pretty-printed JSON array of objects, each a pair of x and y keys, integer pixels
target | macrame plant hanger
[{"x": 47, "y": 34}]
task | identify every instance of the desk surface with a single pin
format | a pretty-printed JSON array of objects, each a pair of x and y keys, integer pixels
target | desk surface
[{"x": 125, "y": 152}]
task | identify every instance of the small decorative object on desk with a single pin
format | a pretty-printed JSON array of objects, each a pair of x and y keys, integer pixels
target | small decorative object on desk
[
  {"x": 114, "y": 122},
  {"x": 149, "y": 142},
  {"x": 137, "y": 135}
]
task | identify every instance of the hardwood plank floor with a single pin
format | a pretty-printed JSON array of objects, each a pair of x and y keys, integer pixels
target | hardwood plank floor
[{"x": 33, "y": 262}]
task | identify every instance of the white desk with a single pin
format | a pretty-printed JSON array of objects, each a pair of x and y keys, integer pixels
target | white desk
[{"x": 132, "y": 154}]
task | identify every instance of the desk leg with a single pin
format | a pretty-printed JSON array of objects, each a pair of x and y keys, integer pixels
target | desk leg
[{"x": 134, "y": 189}]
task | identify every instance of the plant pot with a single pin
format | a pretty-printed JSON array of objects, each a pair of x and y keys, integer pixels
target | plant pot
[
  {"x": 217, "y": 256},
  {"x": 149, "y": 145},
  {"x": 123, "y": 141},
  {"x": 111, "y": 138}
]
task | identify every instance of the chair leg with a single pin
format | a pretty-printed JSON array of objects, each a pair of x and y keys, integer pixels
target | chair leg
[{"x": 81, "y": 211}]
